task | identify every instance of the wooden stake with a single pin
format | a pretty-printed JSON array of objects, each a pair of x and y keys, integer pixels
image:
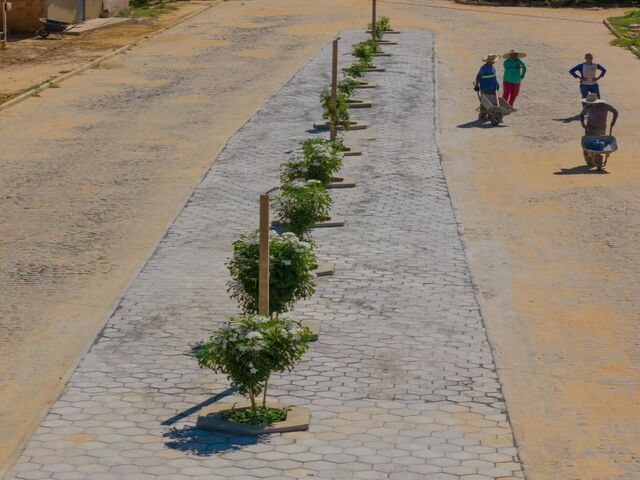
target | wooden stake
[
  {"x": 334, "y": 90},
  {"x": 3, "y": 43},
  {"x": 373, "y": 20},
  {"x": 263, "y": 277}
]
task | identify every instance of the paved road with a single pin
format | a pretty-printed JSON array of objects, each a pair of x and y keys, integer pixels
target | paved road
[
  {"x": 77, "y": 220},
  {"x": 553, "y": 248},
  {"x": 402, "y": 383},
  {"x": 93, "y": 172}
]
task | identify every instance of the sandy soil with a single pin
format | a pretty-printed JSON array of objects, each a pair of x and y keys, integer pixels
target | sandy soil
[
  {"x": 93, "y": 172},
  {"x": 555, "y": 255},
  {"x": 552, "y": 247},
  {"x": 30, "y": 61}
]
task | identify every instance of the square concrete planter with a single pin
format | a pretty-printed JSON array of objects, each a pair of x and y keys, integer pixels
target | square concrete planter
[
  {"x": 330, "y": 222},
  {"x": 357, "y": 126},
  {"x": 387, "y": 31},
  {"x": 315, "y": 331},
  {"x": 380, "y": 54},
  {"x": 325, "y": 269},
  {"x": 353, "y": 103},
  {"x": 366, "y": 85},
  {"x": 372, "y": 69},
  {"x": 342, "y": 182},
  {"x": 352, "y": 126},
  {"x": 350, "y": 152},
  {"x": 210, "y": 419}
]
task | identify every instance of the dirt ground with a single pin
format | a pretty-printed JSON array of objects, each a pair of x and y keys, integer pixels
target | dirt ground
[
  {"x": 554, "y": 249},
  {"x": 552, "y": 245},
  {"x": 29, "y": 61}
]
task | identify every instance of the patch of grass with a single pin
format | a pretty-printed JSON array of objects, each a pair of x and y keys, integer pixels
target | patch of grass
[
  {"x": 148, "y": 10},
  {"x": 5, "y": 97},
  {"x": 632, "y": 16},
  {"x": 255, "y": 416},
  {"x": 621, "y": 26}
]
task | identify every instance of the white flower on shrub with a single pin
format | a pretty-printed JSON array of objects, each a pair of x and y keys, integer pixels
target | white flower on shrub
[
  {"x": 297, "y": 183},
  {"x": 251, "y": 335}
]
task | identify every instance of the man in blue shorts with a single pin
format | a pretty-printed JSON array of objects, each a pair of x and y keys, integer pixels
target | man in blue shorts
[{"x": 588, "y": 75}]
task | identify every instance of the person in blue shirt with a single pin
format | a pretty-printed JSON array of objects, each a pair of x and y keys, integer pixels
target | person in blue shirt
[
  {"x": 487, "y": 77},
  {"x": 588, "y": 73},
  {"x": 487, "y": 81}
]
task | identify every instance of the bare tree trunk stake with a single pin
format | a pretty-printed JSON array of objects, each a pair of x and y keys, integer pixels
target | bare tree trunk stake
[
  {"x": 263, "y": 278},
  {"x": 334, "y": 90}
]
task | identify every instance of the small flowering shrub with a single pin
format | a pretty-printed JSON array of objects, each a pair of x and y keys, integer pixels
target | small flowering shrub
[
  {"x": 319, "y": 160},
  {"x": 373, "y": 45},
  {"x": 338, "y": 144},
  {"x": 383, "y": 24},
  {"x": 338, "y": 109},
  {"x": 377, "y": 31},
  {"x": 347, "y": 86},
  {"x": 364, "y": 53},
  {"x": 291, "y": 276},
  {"x": 301, "y": 204},
  {"x": 355, "y": 71},
  {"x": 248, "y": 349}
]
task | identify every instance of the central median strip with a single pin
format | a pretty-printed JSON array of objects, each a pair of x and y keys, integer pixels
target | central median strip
[{"x": 401, "y": 375}]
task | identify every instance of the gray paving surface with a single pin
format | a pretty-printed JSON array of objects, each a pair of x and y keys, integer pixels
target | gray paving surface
[{"x": 401, "y": 384}]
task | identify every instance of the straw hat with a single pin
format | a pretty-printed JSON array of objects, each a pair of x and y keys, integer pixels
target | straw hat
[
  {"x": 592, "y": 98},
  {"x": 490, "y": 58},
  {"x": 520, "y": 54}
]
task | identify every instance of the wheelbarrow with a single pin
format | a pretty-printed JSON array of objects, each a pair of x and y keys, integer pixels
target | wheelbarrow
[
  {"x": 597, "y": 149},
  {"x": 493, "y": 108},
  {"x": 53, "y": 26}
]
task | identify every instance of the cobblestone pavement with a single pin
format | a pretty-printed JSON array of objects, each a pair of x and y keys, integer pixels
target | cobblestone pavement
[{"x": 401, "y": 383}]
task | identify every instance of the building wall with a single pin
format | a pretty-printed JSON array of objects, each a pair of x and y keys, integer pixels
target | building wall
[
  {"x": 114, "y": 7},
  {"x": 64, "y": 10},
  {"x": 92, "y": 9},
  {"x": 24, "y": 15}
]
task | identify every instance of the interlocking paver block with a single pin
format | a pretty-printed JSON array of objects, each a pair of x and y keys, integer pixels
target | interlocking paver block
[{"x": 401, "y": 383}]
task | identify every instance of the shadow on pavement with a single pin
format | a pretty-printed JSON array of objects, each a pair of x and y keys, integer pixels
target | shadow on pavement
[
  {"x": 200, "y": 442},
  {"x": 575, "y": 118},
  {"x": 478, "y": 124},
  {"x": 580, "y": 170},
  {"x": 195, "y": 408}
]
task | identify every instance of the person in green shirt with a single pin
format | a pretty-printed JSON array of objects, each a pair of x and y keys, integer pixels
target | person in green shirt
[{"x": 514, "y": 72}]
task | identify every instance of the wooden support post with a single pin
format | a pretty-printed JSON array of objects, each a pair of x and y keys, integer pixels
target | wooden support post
[
  {"x": 3, "y": 42},
  {"x": 373, "y": 20},
  {"x": 263, "y": 277},
  {"x": 334, "y": 91}
]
